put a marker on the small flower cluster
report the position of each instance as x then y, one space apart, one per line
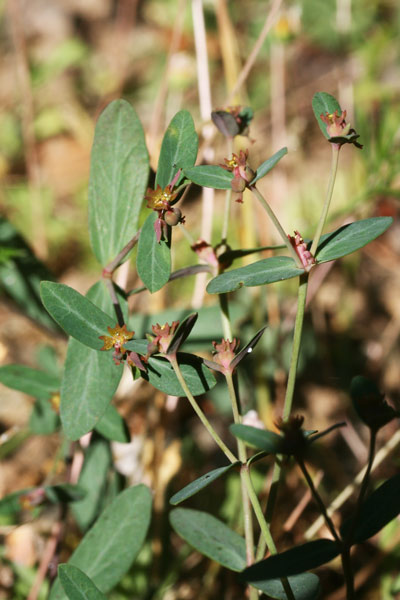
117 338
163 337
305 256
160 200
338 131
243 174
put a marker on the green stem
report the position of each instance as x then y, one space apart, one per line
247 516
264 527
287 408
298 329
231 457
226 323
318 500
325 209
277 224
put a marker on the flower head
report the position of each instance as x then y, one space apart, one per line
306 258
338 131
163 337
224 353
243 174
118 336
160 199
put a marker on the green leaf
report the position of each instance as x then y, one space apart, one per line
211 537
267 270
349 238
93 479
64 492
118 177
323 103
292 562
268 441
33 382
182 333
268 165
162 376
211 176
21 274
79 317
304 587
178 149
343 241
378 510
109 548
90 377
247 349
113 427
43 419
153 258
77 585
199 484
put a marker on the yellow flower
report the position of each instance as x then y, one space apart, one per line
159 199
118 336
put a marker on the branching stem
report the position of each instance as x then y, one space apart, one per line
231 457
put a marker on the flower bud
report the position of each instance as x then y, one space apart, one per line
173 216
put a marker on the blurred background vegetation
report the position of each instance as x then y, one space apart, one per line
62 62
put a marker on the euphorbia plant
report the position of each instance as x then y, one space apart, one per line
99 322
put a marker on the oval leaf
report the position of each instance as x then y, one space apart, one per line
268 441
292 562
77 585
92 479
90 377
199 484
211 537
178 149
153 258
161 375
304 587
33 382
349 238
64 492
113 427
111 545
211 176
79 317
378 510
118 176
268 165
324 103
267 270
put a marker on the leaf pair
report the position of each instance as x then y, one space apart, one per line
334 245
214 539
